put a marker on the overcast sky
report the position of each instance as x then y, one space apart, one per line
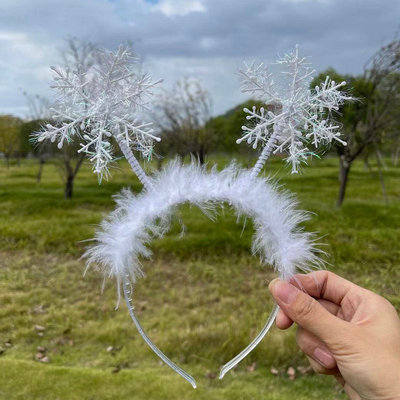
208 39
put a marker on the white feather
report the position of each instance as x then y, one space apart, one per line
279 239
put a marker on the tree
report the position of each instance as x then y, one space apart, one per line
42 151
373 118
181 115
78 58
9 136
39 114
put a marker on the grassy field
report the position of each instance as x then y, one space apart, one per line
202 301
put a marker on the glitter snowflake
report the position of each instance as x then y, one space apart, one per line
296 119
103 103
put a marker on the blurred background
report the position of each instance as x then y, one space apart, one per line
204 296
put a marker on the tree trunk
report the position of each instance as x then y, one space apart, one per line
39 174
69 186
71 173
201 155
343 178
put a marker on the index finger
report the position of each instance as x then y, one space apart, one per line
324 285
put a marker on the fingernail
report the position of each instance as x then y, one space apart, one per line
272 283
283 291
324 358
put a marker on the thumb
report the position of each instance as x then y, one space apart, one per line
307 312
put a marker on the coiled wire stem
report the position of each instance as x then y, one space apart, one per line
229 365
133 162
265 154
128 292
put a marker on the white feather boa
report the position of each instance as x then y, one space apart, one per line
279 239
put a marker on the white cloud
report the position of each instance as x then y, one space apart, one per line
179 7
11 36
207 39
19 44
217 75
23 67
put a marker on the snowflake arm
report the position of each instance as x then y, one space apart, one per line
257 80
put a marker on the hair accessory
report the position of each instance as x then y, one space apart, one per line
100 106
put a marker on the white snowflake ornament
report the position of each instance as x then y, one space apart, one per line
100 104
296 119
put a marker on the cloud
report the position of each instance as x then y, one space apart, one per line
205 38
179 7
22 68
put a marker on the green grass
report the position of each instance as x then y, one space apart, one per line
202 301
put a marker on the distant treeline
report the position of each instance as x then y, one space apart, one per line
222 132
370 124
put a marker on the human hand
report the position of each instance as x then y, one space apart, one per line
345 330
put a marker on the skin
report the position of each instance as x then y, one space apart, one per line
345 331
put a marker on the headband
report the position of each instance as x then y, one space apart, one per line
102 107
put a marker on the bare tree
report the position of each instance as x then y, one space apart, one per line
38 115
78 56
38 107
368 122
70 170
182 114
